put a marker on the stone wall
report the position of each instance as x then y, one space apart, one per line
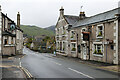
9 50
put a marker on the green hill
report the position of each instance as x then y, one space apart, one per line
36 31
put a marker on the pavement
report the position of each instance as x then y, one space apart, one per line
100 65
10 68
48 66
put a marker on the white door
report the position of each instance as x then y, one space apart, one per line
84 51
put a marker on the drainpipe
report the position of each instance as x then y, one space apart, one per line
89 30
106 53
89 46
77 45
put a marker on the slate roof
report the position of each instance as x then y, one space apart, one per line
97 18
71 19
6 33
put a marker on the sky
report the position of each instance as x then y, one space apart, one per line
44 13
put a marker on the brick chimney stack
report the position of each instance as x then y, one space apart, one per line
18 20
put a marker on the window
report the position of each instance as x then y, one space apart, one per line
98 49
63 46
72 34
12 41
5 41
100 31
57 31
63 31
73 46
83 30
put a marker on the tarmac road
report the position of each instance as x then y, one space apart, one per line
43 65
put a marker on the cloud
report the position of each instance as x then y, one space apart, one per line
44 13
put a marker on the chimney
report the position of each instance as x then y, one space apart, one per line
61 11
82 15
0 8
18 20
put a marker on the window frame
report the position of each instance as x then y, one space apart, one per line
95 47
73 47
98 31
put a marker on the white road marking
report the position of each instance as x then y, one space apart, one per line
56 63
80 73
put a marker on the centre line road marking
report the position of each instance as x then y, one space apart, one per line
80 73
56 63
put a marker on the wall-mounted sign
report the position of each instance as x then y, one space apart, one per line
86 36
12 27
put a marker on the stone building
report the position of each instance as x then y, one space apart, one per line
63 24
8 31
95 38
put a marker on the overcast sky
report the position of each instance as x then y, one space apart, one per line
44 13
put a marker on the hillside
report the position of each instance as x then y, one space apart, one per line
36 31
52 28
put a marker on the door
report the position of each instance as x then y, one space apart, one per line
60 45
84 52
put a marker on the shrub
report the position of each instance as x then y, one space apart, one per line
73 49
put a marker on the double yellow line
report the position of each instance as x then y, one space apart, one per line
27 72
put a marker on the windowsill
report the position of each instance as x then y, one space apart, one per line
9 45
98 55
62 51
100 37
72 39
57 50
83 42
64 35
73 51
57 35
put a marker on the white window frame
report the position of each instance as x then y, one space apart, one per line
97 31
73 47
102 48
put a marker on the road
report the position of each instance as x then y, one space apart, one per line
43 65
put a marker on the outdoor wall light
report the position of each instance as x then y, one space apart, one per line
92 27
